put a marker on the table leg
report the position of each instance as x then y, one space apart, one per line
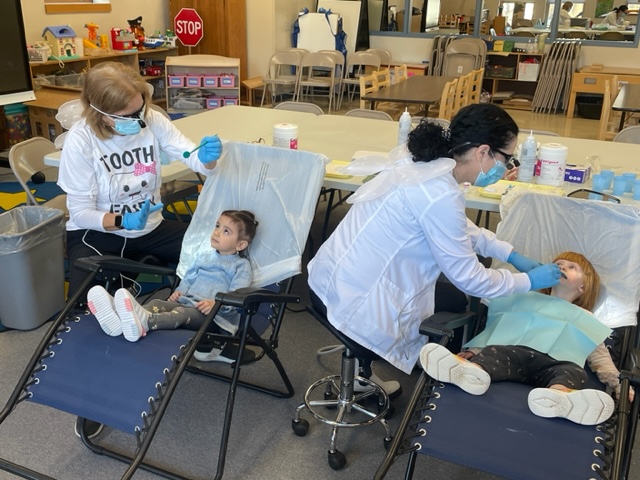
622 117
572 104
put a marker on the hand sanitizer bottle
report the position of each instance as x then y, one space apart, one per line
528 157
404 127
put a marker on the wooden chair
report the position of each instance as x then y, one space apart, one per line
447 100
463 90
476 85
608 127
400 73
383 77
368 84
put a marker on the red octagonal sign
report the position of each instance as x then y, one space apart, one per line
188 27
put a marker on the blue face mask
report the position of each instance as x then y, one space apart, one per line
492 176
127 126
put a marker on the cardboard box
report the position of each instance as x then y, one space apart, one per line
577 173
44 123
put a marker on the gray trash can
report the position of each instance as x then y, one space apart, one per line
31 266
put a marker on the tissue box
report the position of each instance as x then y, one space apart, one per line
577 173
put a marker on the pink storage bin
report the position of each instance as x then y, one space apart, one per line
214 102
176 80
227 80
210 81
194 80
230 101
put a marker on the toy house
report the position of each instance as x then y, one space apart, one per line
62 40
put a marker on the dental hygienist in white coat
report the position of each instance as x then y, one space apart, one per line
376 274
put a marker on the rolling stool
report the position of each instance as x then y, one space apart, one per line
339 393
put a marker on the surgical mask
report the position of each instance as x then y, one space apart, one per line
128 126
492 176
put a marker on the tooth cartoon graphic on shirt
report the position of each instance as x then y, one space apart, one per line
132 185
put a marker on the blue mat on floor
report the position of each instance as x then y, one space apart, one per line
12 195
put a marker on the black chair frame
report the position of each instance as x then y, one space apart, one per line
618 432
248 301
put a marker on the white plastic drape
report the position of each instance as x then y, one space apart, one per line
280 187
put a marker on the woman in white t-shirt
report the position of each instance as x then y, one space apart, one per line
110 170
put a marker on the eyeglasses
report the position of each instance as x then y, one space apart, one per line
509 159
137 115
586 194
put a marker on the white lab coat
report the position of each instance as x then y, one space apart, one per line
612 19
376 274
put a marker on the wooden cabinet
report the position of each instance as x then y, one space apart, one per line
199 82
512 78
224 25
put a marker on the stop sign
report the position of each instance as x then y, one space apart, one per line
188 27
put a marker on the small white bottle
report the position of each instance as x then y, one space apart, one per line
528 157
404 127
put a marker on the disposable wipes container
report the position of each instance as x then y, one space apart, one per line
285 135
551 164
32 265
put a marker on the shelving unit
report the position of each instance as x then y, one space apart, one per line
199 82
53 90
44 74
508 83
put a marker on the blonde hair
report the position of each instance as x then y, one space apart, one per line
110 86
591 280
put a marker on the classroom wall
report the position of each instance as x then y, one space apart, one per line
269 25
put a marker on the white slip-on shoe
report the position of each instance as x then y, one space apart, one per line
134 318
585 407
446 367
100 304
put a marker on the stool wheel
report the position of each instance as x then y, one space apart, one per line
300 428
387 443
337 460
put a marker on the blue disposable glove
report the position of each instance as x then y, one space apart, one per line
522 263
544 276
210 150
138 220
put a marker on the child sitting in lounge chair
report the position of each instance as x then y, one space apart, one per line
223 268
541 341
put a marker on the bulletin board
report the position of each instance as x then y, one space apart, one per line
349 11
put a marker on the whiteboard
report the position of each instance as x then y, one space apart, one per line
349 10
316 33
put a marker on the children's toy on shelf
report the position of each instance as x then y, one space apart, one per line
62 40
92 33
170 39
122 39
155 40
138 32
39 52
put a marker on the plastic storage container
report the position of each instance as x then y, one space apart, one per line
17 120
32 262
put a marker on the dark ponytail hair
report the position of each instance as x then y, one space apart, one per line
621 8
474 125
247 224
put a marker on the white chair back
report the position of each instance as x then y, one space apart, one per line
608 235
280 186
